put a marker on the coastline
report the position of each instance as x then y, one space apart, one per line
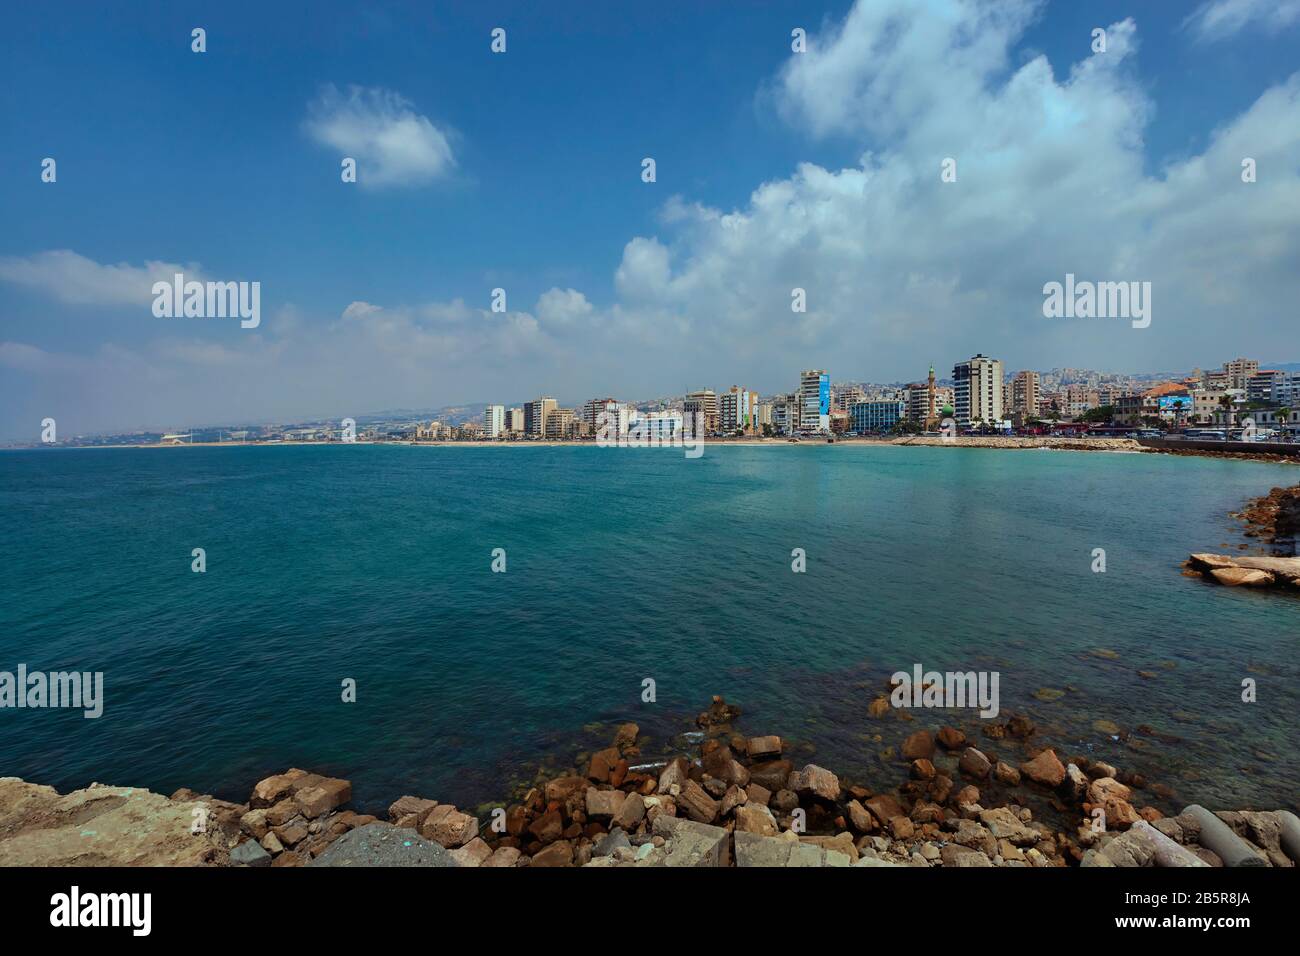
724 799
1000 442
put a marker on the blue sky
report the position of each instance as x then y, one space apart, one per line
375 294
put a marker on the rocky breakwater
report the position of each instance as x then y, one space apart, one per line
1274 519
1027 441
1245 570
730 800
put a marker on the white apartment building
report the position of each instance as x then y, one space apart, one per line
494 421
977 390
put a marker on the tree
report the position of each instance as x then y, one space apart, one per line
1283 416
1225 403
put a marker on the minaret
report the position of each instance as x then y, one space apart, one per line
931 419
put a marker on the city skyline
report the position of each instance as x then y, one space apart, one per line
783 180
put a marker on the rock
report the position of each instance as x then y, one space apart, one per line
559 853
689 843
974 763
272 790
675 774
878 707
764 748
404 807
473 853
448 827
1107 727
1006 774
960 856
1048 694
1242 577
1107 788
560 789
699 806
630 814
860 818
950 738
919 746
922 770
1020 726
271 843
756 794
602 765
548 827
381 844
815 781
785 800
902 828
719 714
605 803
755 818
330 793
292 833
970 833
1044 769
884 807
1075 783
753 850
503 856
282 812
771 775
626 734
254 824
722 764
1005 825
841 843
250 853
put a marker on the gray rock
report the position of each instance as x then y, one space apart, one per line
250 853
610 842
693 844
381 844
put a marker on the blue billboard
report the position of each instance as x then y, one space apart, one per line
823 394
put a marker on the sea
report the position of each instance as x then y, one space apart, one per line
497 611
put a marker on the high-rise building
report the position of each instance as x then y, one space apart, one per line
494 421
977 388
1239 371
878 416
1025 393
785 414
738 410
814 400
515 421
702 406
535 413
561 423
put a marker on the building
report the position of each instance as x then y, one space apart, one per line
977 390
1025 393
561 423
873 417
702 406
515 421
657 427
785 414
1239 371
494 421
617 416
1264 385
535 414
738 410
1136 409
846 396
814 400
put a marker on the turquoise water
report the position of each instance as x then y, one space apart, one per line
373 563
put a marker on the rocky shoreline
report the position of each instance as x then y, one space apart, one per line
1273 520
1026 442
731 800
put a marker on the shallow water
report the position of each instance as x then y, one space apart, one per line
373 563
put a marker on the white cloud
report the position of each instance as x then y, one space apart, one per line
68 277
392 144
1220 19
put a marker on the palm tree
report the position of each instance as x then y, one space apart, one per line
1225 402
1283 415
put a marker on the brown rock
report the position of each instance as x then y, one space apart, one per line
559 853
699 806
1044 769
815 781
755 818
1006 774
562 788
951 738
764 748
272 790
922 770
1242 577
974 763
330 793
625 736
406 806
884 807
630 814
919 746
860 818
448 827
756 794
